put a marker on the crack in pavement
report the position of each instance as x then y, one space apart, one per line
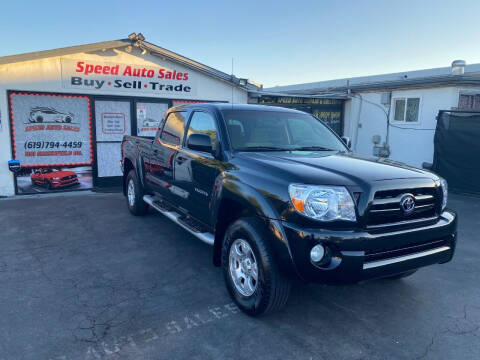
458 322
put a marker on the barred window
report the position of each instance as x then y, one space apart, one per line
469 102
406 109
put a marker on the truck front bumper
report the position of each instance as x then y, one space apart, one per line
361 255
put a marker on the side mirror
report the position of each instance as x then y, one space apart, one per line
347 141
200 142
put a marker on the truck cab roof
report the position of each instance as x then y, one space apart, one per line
228 106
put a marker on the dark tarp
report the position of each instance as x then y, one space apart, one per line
457 150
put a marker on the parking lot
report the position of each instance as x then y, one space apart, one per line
80 278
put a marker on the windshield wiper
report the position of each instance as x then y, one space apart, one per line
262 148
312 148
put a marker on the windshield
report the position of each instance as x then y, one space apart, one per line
251 130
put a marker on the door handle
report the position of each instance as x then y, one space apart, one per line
180 159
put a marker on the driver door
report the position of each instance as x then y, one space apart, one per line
196 171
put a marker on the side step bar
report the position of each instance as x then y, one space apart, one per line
206 237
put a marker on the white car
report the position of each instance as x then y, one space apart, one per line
48 114
150 123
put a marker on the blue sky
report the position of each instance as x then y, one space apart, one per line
272 42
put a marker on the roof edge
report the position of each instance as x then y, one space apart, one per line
134 41
444 80
36 55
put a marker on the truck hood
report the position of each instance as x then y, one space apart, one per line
336 168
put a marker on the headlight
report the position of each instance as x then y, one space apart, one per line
444 185
324 203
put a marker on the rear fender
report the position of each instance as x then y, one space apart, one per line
139 168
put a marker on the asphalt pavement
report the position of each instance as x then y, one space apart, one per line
80 278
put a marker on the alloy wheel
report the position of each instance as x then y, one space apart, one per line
243 267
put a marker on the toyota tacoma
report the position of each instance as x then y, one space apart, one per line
280 197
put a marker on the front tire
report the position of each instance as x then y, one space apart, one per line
251 274
135 202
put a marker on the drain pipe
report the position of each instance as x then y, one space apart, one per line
358 120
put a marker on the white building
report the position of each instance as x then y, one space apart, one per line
409 100
64 112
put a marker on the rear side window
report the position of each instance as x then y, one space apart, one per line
174 128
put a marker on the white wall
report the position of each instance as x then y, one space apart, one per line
409 143
45 75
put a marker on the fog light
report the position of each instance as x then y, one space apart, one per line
317 253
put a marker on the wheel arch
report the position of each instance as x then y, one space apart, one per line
127 167
237 200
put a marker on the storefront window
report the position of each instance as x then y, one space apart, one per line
149 116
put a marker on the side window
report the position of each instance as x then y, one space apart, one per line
174 128
203 123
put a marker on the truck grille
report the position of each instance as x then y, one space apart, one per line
381 254
386 209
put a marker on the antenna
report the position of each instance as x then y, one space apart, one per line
232 82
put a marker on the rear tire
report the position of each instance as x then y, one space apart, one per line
135 193
246 253
402 275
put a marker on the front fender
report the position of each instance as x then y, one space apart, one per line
254 203
248 196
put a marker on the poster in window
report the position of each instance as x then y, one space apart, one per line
33 180
112 120
50 129
51 137
113 123
149 116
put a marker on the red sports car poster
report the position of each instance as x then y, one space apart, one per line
51 179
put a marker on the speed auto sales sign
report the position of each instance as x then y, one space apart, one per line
51 129
114 77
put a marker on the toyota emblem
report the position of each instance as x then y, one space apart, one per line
407 203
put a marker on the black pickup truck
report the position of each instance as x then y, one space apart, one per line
280 197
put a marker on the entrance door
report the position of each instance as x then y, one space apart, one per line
113 121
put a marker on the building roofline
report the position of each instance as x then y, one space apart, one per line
132 41
36 55
329 95
417 78
448 80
